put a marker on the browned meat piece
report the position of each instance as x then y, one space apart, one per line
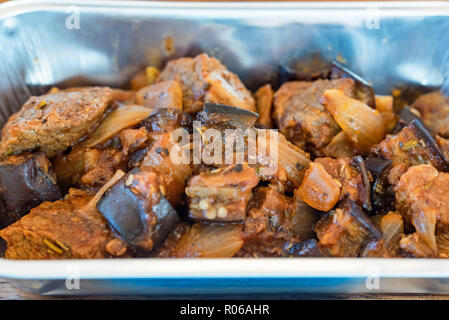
421 198
392 228
137 210
269 224
343 232
63 229
175 174
352 176
434 110
205 79
302 118
411 146
53 122
264 105
165 94
25 182
92 167
222 194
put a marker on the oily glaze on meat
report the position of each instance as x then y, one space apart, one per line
55 121
205 79
63 229
300 115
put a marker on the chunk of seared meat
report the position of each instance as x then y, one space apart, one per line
392 228
274 222
264 105
93 167
165 94
421 198
267 228
137 210
300 115
64 229
344 231
413 145
25 182
205 79
434 110
174 174
353 177
55 121
222 194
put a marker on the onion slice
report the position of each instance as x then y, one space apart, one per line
363 125
119 119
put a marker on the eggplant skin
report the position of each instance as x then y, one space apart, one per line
25 182
137 211
223 117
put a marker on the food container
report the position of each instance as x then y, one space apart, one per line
392 44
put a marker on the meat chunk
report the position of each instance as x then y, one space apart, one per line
25 182
174 174
61 230
421 198
221 195
412 146
434 110
165 94
93 167
264 104
136 208
205 79
268 226
302 118
343 232
353 178
55 121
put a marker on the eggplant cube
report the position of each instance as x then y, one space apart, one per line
221 195
25 182
137 210
222 117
